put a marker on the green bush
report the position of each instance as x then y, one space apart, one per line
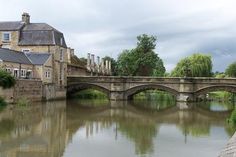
90 94
2 102
23 102
6 80
232 118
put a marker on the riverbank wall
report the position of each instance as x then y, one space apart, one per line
33 90
230 149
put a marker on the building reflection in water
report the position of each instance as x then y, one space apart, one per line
45 130
37 131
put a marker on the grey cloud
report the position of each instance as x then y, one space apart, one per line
107 27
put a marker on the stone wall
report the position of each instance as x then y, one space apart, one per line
33 90
29 89
52 92
230 148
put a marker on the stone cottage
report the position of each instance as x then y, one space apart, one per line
26 36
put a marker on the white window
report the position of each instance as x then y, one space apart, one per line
23 73
61 55
6 36
15 72
26 50
47 74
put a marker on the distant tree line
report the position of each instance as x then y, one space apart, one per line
144 61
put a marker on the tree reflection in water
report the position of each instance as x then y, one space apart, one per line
46 129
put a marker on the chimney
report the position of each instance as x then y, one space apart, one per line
26 18
88 61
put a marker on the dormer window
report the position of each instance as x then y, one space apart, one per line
61 41
6 36
61 55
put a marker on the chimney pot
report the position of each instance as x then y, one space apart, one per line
26 18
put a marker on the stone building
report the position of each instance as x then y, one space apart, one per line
16 63
39 38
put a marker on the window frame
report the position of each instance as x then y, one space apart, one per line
61 55
23 73
3 36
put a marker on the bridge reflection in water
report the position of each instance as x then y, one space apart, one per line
49 130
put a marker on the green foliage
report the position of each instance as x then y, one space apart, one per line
2 102
6 80
232 118
197 65
125 63
142 60
231 70
221 95
219 75
23 102
141 132
90 94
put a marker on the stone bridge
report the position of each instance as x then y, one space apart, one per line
123 88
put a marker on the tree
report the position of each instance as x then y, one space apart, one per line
197 65
142 60
6 80
231 70
126 63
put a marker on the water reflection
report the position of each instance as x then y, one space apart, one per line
87 128
35 131
216 105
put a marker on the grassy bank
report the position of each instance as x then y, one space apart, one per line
154 95
90 94
222 96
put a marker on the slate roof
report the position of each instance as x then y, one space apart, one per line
13 56
41 34
20 57
11 26
38 58
35 34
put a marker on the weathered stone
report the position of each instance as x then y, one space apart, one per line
122 88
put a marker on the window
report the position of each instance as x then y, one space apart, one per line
23 73
8 70
61 41
47 74
29 74
6 36
15 72
61 55
26 50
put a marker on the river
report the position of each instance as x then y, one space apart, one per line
119 129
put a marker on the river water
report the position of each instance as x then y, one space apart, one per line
118 129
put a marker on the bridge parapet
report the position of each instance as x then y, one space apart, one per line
121 88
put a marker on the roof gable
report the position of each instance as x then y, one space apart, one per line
13 56
38 58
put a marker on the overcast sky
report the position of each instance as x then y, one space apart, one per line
106 27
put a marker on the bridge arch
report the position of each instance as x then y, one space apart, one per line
71 89
134 90
205 90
